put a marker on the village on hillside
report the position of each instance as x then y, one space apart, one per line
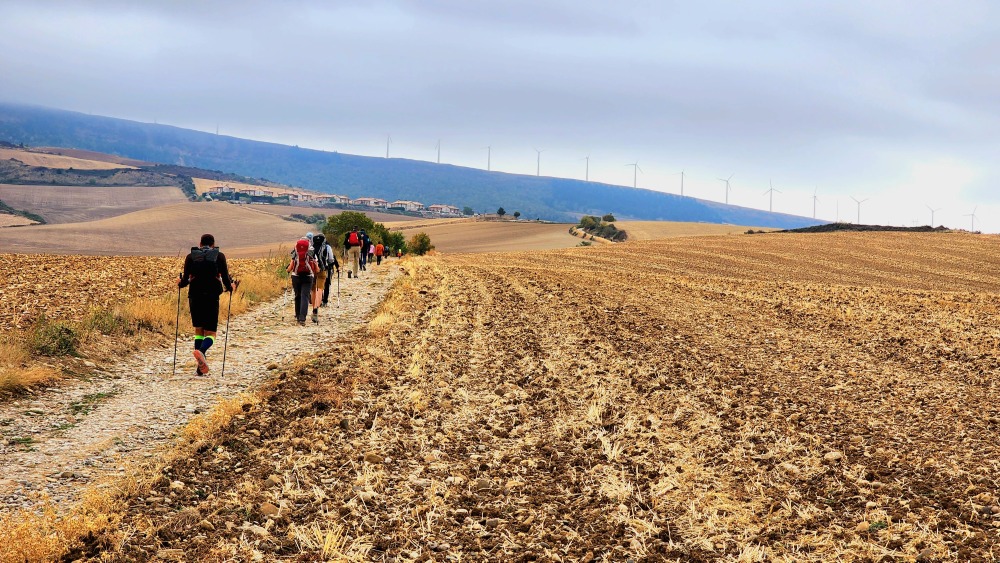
290 196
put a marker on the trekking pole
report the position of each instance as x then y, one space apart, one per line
225 342
338 287
177 324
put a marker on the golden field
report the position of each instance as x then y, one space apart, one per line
770 397
48 160
469 235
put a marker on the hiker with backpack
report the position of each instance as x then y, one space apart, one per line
303 268
352 248
327 262
207 273
366 244
379 251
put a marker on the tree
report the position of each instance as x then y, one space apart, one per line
468 211
609 218
339 225
420 244
501 212
517 214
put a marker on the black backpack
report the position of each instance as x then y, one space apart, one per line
204 266
319 246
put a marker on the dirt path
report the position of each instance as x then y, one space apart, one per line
54 444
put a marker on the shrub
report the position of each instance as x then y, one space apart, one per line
420 244
609 218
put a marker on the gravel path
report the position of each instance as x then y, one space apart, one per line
55 443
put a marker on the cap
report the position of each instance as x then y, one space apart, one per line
309 235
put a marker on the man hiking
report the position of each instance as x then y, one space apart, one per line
207 273
327 262
303 268
366 244
352 246
379 251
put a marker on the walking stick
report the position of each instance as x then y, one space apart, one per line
338 287
225 342
177 324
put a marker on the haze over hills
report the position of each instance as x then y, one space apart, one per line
556 199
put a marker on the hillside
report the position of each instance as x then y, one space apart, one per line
74 204
544 197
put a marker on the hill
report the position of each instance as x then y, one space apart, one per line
555 199
76 204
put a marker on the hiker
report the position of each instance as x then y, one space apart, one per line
379 251
332 263
303 268
207 273
399 253
365 245
326 262
352 248
371 253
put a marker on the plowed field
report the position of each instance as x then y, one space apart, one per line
749 398
67 288
77 204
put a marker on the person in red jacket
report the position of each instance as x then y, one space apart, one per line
379 252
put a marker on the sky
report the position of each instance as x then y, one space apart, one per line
879 111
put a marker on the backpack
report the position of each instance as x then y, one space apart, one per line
352 239
319 249
303 260
204 266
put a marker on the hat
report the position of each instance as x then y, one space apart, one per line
309 235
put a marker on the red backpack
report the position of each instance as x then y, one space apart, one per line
352 239
303 262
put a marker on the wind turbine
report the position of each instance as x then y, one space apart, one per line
771 191
726 180
586 177
439 151
973 217
538 165
815 199
388 139
682 181
635 173
489 156
859 208
932 213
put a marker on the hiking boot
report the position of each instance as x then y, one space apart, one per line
315 317
302 323
199 357
348 275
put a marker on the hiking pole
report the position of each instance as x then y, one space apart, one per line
338 287
177 323
225 342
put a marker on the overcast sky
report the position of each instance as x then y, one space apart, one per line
893 102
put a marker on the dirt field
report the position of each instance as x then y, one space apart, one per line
57 161
78 204
165 230
465 235
652 230
746 398
92 155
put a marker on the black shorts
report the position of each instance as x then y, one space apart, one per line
204 311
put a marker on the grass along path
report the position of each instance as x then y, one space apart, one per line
54 444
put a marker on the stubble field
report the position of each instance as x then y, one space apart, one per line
78 204
748 398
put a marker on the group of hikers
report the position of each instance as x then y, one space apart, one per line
310 267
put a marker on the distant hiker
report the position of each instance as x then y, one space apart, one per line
379 251
327 262
366 244
207 273
399 253
303 268
352 247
